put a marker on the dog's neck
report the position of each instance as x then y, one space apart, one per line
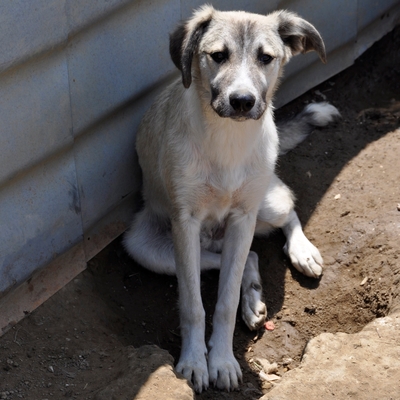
231 143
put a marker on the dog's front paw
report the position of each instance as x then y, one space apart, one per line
304 256
194 368
254 311
224 370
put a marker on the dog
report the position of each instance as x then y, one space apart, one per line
207 148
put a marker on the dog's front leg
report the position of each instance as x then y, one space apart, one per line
224 370
192 363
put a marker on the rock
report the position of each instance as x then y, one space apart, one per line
268 368
146 373
365 365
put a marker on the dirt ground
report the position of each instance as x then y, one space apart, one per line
346 178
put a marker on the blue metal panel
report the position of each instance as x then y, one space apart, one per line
28 28
368 11
260 7
374 19
339 35
34 114
40 218
82 14
101 154
111 62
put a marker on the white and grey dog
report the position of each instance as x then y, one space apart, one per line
208 150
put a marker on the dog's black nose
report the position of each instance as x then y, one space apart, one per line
242 102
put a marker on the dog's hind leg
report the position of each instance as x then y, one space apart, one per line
277 211
254 311
149 242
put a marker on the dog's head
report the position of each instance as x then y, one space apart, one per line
236 58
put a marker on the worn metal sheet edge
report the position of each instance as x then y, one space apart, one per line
41 286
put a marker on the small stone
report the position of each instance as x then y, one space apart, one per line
329 260
287 361
266 385
311 310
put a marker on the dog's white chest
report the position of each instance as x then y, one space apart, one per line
224 192
227 181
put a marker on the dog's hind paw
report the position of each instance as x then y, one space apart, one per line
254 311
194 370
304 256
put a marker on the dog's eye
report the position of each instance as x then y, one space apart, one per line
219 56
265 58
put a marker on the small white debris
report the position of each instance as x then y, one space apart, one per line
318 93
337 197
308 173
268 377
51 369
288 360
267 367
364 281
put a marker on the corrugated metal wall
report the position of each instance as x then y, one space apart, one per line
75 79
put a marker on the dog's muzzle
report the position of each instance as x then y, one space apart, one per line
238 105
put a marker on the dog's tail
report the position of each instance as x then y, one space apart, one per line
294 131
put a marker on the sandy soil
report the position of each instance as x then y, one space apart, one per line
346 181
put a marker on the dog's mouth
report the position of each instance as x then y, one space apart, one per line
240 118
227 112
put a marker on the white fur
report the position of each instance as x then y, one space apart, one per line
323 113
209 184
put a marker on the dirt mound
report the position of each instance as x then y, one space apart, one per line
364 365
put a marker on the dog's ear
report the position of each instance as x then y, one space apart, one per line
185 39
299 35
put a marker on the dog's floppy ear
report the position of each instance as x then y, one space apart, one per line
299 35
185 39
